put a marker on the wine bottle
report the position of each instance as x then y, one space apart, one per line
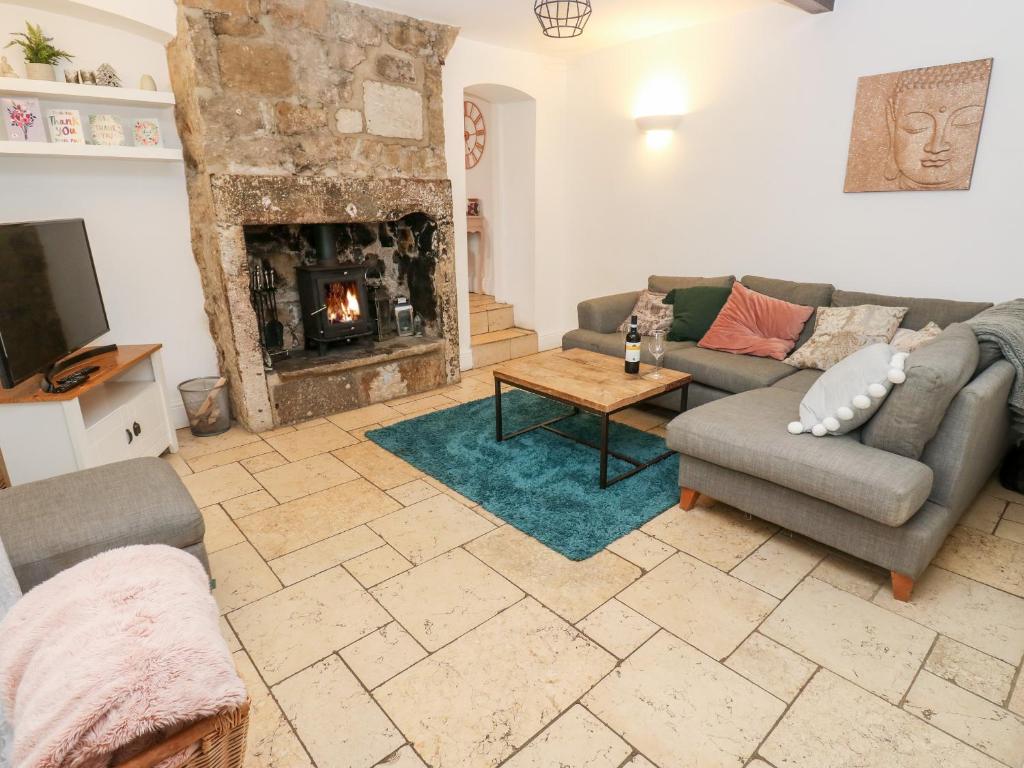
633 348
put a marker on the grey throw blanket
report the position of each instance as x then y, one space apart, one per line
1003 325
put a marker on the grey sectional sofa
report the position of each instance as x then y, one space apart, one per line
889 509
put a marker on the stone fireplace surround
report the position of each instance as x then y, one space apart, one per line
297 112
269 200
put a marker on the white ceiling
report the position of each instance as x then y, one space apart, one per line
511 23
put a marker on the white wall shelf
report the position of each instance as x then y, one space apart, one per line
45 89
43 149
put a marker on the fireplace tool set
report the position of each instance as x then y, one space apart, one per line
263 293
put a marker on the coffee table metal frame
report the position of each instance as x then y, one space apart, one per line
604 416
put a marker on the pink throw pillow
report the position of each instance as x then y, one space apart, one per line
751 323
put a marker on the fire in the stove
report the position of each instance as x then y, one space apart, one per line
342 303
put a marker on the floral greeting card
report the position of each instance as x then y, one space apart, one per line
146 133
23 119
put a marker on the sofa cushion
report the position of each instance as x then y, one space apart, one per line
747 433
50 525
651 314
613 344
751 323
850 392
907 340
694 310
919 311
666 283
799 382
726 371
841 331
808 294
935 373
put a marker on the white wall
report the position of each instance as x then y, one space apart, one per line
543 79
517 274
136 212
752 181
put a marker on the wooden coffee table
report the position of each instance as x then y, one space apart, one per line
590 382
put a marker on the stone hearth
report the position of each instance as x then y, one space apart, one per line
296 112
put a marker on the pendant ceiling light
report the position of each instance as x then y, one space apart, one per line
562 18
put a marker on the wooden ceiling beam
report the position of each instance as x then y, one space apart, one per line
814 6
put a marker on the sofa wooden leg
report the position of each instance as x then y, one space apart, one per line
687 498
902 586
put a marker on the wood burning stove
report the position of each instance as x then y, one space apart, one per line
333 296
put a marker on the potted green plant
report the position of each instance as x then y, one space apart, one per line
39 51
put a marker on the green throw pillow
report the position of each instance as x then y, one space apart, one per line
694 310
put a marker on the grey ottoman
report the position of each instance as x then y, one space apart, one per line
52 524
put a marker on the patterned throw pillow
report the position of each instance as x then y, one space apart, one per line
841 331
907 340
651 314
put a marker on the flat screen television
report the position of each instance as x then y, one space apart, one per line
50 301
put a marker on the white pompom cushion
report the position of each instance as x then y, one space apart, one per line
848 394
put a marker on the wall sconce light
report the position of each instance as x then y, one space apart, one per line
658 128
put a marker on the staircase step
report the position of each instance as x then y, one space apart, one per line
501 345
491 317
476 299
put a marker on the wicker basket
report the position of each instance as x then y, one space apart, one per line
221 740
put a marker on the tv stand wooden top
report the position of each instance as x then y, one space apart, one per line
110 365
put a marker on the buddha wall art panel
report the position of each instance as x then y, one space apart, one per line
918 129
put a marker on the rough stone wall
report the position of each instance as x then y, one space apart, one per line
321 87
279 101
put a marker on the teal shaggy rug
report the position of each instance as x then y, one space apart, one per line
543 484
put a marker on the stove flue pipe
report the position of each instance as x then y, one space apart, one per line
325 242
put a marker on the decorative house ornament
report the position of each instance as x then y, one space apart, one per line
106 75
23 119
147 83
475 132
146 133
66 126
6 70
106 130
562 18
918 129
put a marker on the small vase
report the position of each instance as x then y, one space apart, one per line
40 72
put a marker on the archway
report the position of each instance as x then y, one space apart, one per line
503 180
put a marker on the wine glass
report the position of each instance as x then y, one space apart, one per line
656 346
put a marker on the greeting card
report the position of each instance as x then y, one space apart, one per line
106 130
146 133
23 119
66 126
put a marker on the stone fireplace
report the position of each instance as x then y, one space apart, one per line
301 113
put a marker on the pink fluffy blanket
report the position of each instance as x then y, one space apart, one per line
110 655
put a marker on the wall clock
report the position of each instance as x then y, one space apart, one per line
475 133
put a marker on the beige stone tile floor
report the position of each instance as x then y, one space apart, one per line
379 618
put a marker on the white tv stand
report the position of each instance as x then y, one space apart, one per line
119 413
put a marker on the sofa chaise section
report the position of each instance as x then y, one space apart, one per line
887 509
